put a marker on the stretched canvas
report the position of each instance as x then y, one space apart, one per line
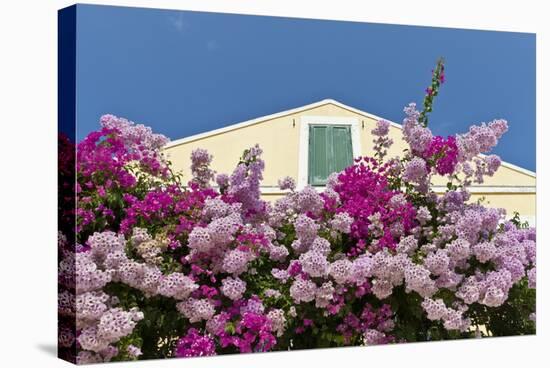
235 184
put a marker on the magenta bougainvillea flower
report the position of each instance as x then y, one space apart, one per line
443 153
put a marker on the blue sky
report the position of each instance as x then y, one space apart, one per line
188 72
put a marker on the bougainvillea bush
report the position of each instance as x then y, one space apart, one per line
161 268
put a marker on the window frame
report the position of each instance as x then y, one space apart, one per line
305 123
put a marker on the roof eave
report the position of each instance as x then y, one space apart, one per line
296 110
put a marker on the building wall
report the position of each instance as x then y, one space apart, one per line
523 203
279 138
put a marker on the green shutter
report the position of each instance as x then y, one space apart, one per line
319 145
341 147
330 150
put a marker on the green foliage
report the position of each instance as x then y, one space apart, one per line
432 91
511 318
158 333
516 220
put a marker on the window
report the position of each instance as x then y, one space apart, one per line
330 150
327 144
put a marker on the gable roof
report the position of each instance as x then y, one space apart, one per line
299 109
270 117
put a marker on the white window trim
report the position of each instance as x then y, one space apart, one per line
305 122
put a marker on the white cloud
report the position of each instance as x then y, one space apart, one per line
179 22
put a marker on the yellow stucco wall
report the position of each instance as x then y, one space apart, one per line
524 203
279 138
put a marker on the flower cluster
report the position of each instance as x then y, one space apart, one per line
444 154
200 161
380 214
99 323
382 142
194 344
159 269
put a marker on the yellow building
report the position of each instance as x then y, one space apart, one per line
309 142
